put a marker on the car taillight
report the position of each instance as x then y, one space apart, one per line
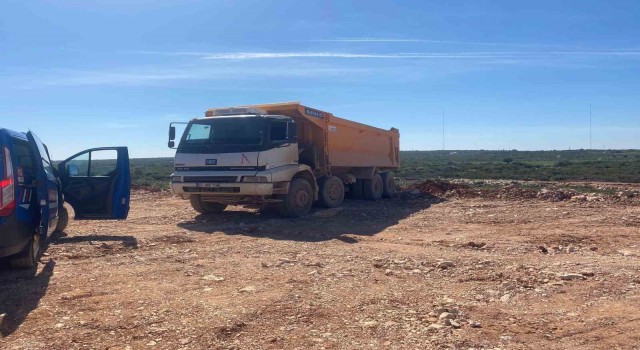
7 191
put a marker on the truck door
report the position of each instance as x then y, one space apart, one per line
47 186
97 183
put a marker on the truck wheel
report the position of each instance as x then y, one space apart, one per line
357 189
63 219
389 189
331 191
203 207
298 201
373 188
29 255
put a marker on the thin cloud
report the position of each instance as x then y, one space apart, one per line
260 55
162 75
428 55
414 40
276 55
372 40
171 74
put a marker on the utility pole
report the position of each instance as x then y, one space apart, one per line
443 129
590 129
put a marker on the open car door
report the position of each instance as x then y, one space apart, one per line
97 183
46 185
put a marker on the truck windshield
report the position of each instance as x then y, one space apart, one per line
223 134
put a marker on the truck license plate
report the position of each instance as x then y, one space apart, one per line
206 184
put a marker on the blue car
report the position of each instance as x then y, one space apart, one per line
95 183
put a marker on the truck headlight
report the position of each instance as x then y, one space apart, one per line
254 179
176 178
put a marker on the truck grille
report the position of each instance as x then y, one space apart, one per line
212 189
210 178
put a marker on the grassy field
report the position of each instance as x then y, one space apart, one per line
151 172
592 165
578 165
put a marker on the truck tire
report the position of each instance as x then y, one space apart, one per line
206 207
29 255
63 219
331 191
373 188
357 189
298 201
389 189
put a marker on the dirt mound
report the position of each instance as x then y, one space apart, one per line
436 187
511 191
515 192
555 194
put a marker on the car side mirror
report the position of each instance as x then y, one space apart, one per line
72 170
292 132
171 144
172 133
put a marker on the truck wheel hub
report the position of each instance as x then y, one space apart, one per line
301 198
334 192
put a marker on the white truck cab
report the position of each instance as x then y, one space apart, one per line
239 156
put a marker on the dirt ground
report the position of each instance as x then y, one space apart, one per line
415 272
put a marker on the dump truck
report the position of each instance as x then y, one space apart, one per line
282 154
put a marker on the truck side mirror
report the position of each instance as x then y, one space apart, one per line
292 132
172 136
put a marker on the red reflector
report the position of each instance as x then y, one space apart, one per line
7 189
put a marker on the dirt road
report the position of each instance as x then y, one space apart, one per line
415 272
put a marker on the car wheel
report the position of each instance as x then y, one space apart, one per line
63 219
29 255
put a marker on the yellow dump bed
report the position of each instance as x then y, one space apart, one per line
337 143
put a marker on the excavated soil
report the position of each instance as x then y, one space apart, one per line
436 268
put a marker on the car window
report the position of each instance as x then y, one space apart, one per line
103 163
93 164
24 158
78 166
44 157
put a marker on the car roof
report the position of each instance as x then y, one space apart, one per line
16 134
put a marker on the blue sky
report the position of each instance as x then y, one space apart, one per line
508 74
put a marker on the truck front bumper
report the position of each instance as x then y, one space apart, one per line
240 189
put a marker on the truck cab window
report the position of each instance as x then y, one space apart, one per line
278 131
199 132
